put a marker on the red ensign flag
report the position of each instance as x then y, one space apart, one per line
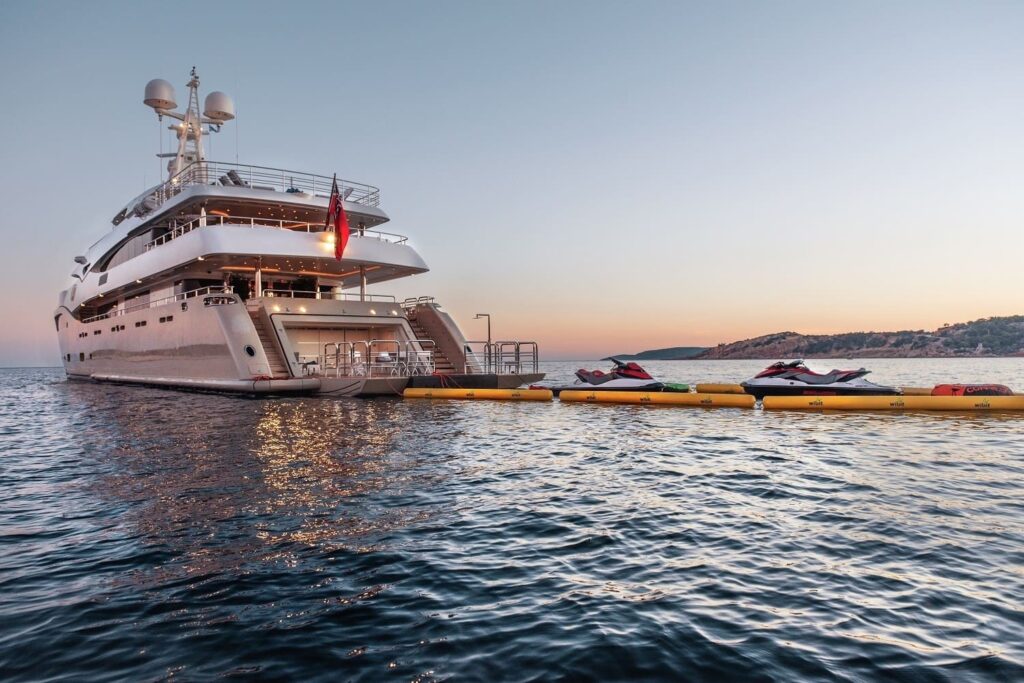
336 217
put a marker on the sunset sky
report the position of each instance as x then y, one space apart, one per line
600 177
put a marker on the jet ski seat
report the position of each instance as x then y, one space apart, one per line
594 376
831 377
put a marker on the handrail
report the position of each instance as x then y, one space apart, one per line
502 357
264 178
328 296
374 358
153 303
260 222
413 301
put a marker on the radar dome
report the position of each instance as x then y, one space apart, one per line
218 107
159 94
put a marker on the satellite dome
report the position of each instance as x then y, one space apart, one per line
159 94
218 107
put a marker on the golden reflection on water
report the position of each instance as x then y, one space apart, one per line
261 481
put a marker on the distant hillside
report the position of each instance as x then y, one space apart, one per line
986 337
672 353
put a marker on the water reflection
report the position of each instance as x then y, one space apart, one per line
220 482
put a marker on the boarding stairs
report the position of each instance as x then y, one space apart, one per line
278 369
442 364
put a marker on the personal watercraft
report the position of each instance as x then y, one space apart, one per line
623 377
796 379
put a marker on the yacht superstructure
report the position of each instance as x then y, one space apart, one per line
224 277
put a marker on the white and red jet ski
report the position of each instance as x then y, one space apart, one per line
796 379
623 377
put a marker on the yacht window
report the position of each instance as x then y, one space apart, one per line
95 332
81 356
141 323
103 279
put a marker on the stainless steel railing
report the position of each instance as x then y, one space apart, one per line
412 302
378 358
213 296
327 296
259 222
264 178
502 357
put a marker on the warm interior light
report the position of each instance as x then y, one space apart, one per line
200 259
302 309
276 308
372 312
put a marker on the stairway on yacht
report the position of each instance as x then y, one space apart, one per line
278 370
442 364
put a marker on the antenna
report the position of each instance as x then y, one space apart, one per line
218 109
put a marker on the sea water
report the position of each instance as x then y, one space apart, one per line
149 534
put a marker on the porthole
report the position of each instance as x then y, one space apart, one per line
249 350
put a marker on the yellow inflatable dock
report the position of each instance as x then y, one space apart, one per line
971 403
720 389
659 398
482 394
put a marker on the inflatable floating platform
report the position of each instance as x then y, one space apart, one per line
482 394
660 398
912 402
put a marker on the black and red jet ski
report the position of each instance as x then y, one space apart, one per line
623 377
796 379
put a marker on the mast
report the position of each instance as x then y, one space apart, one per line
190 131
217 110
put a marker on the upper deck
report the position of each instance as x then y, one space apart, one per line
301 184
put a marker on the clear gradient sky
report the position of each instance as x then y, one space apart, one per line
601 177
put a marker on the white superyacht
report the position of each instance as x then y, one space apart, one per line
224 278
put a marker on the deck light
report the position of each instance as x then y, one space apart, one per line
276 308
372 312
200 259
138 281
302 309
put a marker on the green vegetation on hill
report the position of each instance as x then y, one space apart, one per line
985 337
672 353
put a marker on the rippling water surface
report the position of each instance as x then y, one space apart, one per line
148 534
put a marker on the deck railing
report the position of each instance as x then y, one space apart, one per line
264 178
327 296
502 357
260 222
212 296
375 358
